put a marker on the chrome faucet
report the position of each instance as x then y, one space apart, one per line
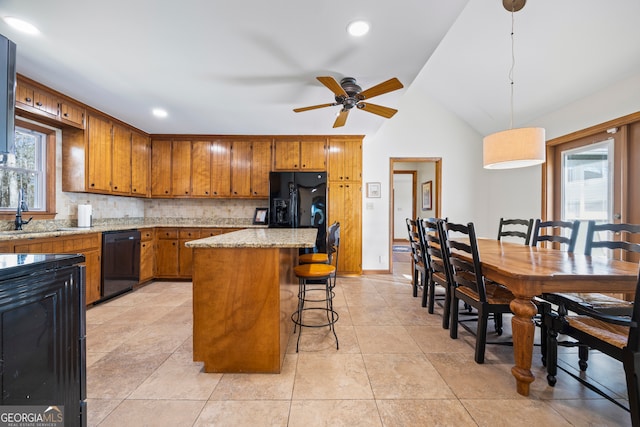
22 207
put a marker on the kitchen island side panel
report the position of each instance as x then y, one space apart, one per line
242 302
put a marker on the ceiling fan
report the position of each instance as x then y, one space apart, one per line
349 94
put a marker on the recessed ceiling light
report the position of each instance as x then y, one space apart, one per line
160 113
21 25
358 28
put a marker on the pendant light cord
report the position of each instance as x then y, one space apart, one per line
513 62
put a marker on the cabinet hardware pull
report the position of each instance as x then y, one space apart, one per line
39 104
28 99
66 114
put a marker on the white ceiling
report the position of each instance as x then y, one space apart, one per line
240 67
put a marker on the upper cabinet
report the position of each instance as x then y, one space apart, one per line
301 153
105 158
36 101
345 159
220 167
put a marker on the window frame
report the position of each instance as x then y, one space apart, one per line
49 211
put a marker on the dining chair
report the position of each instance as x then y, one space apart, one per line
598 321
439 269
418 260
487 297
520 228
555 232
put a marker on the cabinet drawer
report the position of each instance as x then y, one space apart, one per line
164 233
146 234
189 234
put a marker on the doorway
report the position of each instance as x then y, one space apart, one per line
415 184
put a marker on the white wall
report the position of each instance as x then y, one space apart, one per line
423 128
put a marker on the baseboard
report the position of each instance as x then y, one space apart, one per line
365 272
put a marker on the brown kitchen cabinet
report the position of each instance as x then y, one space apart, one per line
147 255
185 255
260 167
100 159
201 168
99 153
166 255
181 168
88 245
299 154
140 164
121 165
220 168
160 168
345 206
241 168
345 159
36 100
72 114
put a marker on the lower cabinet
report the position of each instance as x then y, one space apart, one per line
89 245
167 253
147 255
173 259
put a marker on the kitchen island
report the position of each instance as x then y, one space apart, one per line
244 292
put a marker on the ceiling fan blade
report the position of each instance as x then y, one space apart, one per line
333 85
313 107
384 87
377 109
342 118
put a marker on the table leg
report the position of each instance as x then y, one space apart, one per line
523 330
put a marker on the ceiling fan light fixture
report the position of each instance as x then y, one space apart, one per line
358 28
20 25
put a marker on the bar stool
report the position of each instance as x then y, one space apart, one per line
314 279
333 242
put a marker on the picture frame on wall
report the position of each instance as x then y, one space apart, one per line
261 217
426 195
374 190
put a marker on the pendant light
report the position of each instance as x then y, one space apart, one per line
514 148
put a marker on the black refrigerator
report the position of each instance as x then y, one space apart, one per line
298 200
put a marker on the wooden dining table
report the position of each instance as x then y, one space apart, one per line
530 271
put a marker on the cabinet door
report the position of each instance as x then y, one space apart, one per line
241 168
93 265
260 167
286 155
313 155
71 113
345 160
99 154
161 168
220 168
140 149
121 169
201 168
24 95
181 168
45 102
167 258
146 260
345 206
185 254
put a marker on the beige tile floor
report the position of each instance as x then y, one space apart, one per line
396 366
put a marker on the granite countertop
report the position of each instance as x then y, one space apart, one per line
260 238
114 226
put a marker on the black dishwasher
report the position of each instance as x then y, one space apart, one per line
120 262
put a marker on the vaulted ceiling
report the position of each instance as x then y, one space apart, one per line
240 67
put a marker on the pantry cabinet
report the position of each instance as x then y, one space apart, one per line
345 200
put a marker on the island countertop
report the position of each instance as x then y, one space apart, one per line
260 238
